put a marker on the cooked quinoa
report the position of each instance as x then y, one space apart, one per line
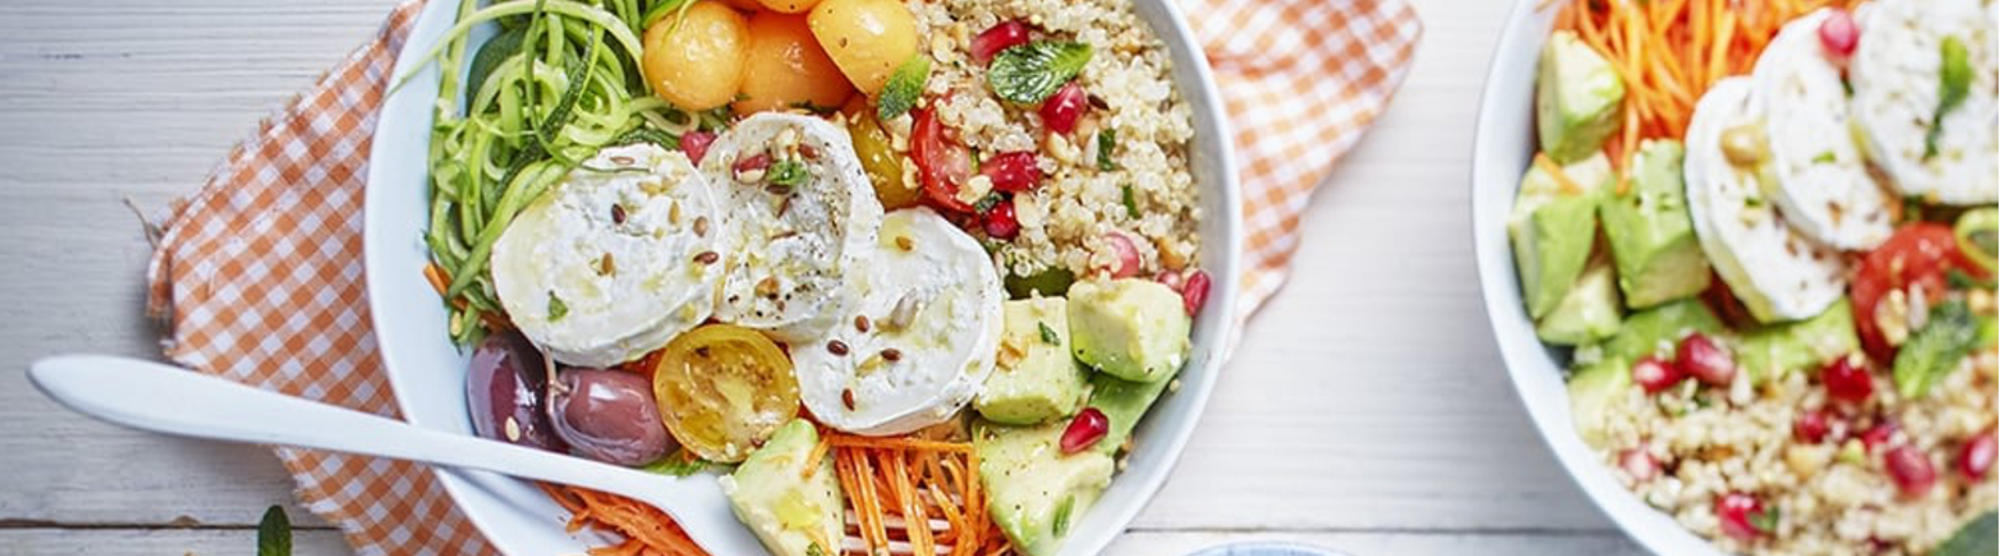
1064 222
1833 497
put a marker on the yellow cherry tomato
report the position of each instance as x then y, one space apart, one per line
786 68
696 60
866 38
878 157
723 390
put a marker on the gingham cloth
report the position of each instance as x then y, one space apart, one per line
259 273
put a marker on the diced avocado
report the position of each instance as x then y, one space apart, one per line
1132 328
1588 314
1592 391
1577 95
1035 492
1036 380
1774 350
1652 239
1552 226
793 505
1123 403
1654 331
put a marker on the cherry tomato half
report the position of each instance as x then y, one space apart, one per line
723 390
943 164
1917 256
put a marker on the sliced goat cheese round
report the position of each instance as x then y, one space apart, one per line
1823 185
800 219
1896 73
608 265
922 340
1777 272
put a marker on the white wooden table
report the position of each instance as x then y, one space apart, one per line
1367 410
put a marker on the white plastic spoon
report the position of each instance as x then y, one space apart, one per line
160 398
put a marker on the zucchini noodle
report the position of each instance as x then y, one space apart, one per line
561 80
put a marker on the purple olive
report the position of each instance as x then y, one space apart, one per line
609 416
504 388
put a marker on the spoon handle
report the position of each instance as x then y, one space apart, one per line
160 398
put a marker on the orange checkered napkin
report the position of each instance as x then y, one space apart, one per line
259 273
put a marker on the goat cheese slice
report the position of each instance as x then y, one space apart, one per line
1777 272
1895 72
1824 188
922 339
605 267
801 219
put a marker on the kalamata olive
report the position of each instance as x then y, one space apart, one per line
503 389
609 416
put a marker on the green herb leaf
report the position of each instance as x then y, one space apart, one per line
681 463
905 86
1061 526
1131 203
1106 141
1049 334
274 533
1936 350
1975 538
1029 73
557 309
986 203
1954 83
788 172
815 550
1824 158
1767 520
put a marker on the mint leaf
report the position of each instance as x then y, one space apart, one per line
1935 350
1049 334
557 309
1954 83
1029 73
1975 538
274 533
905 86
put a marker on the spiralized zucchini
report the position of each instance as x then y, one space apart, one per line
560 81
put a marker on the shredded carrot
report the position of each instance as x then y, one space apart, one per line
917 482
1668 52
1549 165
647 530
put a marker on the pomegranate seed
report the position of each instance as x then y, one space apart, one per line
1639 464
1740 514
1838 33
1910 469
1810 427
1089 426
1014 171
1878 435
1127 255
1195 293
1172 280
1976 457
759 162
695 144
1846 382
1699 357
993 41
1655 375
999 221
1061 111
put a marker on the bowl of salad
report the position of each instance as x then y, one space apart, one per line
857 264
1739 261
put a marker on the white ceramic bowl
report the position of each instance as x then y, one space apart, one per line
1503 146
428 372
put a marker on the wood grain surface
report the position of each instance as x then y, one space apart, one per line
1367 410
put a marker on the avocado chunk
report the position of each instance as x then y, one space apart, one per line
1653 332
1593 391
793 505
1036 493
1588 314
1775 350
1651 236
1123 403
1036 379
1577 96
1131 328
1552 227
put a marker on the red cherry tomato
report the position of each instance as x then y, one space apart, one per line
1916 256
1005 35
943 164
